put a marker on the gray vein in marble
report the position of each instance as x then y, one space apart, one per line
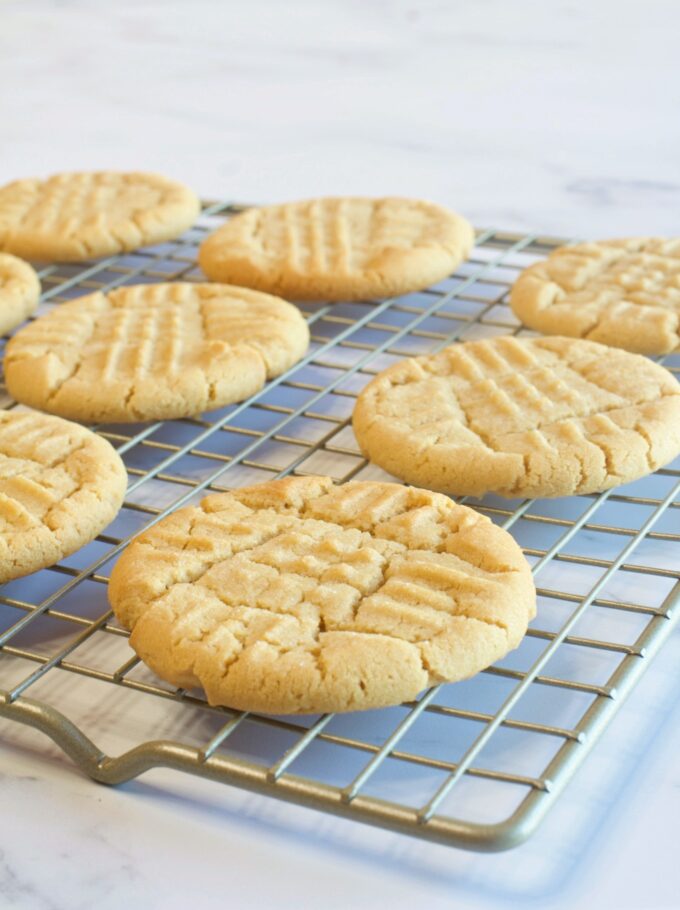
18 891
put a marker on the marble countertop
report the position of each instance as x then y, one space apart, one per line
552 117
555 118
167 841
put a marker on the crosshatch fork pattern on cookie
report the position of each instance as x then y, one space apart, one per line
153 351
527 417
474 764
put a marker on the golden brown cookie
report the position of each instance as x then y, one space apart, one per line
76 216
60 485
625 293
521 417
298 597
338 249
153 351
19 292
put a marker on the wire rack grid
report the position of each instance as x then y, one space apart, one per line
476 764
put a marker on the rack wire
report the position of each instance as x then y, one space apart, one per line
474 764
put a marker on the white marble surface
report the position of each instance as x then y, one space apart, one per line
558 118
168 841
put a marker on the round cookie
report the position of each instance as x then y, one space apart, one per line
76 216
19 292
153 351
338 248
624 293
60 485
300 597
521 417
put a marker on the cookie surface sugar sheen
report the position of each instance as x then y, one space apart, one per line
297 596
60 485
537 417
77 216
153 351
19 292
624 293
338 248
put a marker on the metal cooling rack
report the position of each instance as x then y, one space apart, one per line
476 764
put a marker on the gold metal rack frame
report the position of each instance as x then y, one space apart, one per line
475 764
